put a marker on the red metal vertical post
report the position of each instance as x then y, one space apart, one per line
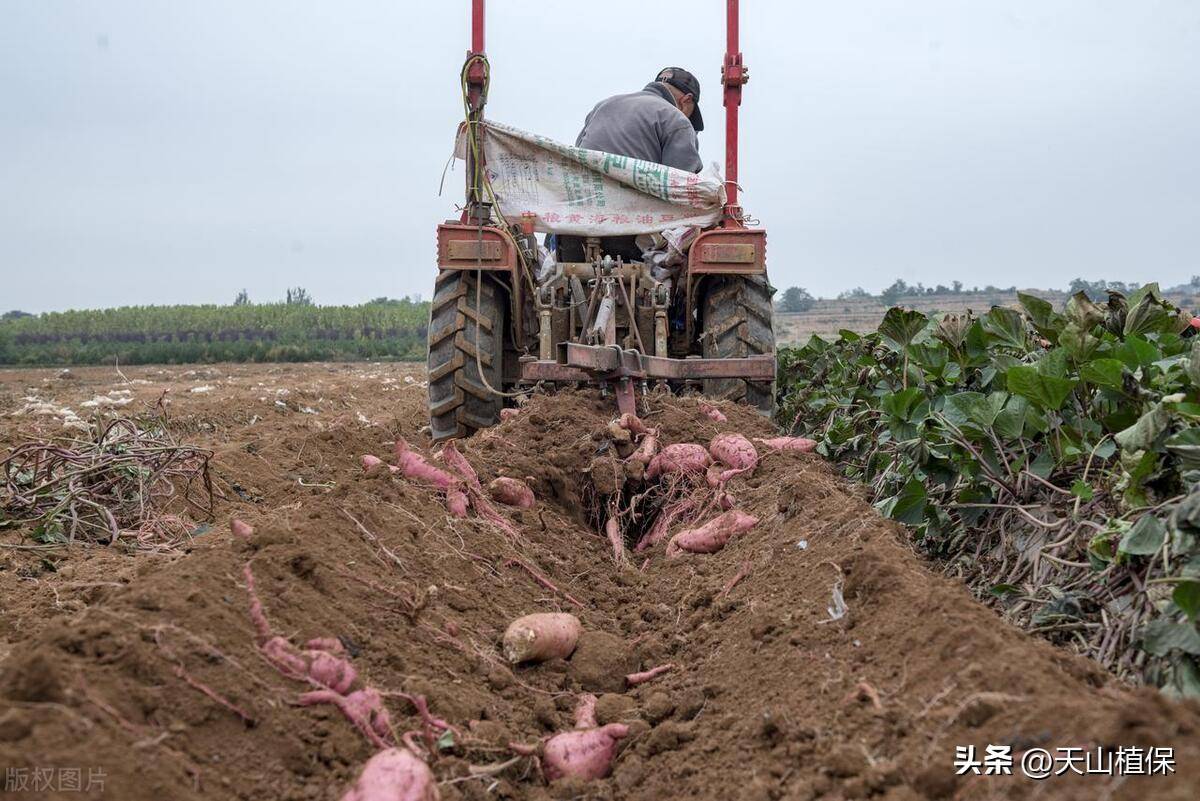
733 76
477 19
476 79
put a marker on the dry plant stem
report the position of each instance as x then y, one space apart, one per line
542 580
126 479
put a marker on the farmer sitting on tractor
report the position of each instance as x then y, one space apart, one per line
657 124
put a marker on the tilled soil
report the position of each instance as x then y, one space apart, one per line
143 665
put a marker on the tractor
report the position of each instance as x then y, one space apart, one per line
501 326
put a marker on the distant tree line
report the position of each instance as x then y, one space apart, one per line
794 300
1098 290
798 299
295 330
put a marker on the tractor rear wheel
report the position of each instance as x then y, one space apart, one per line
468 311
737 323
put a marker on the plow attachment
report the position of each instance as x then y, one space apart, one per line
605 364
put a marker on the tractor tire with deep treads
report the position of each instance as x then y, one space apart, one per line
737 323
468 307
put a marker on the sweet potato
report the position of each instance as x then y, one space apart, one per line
646 450
662 524
318 667
802 444
284 657
364 708
330 645
452 456
734 450
612 529
713 413
634 679
456 502
511 492
459 464
583 753
587 752
585 712
541 636
687 458
318 664
508 414
712 536
634 425
331 671
621 436
240 529
717 476
394 774
370 462
258 616
414 466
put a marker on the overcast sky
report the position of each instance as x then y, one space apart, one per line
176 152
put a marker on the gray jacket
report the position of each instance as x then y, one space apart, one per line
643 125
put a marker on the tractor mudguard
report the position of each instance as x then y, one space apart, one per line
472 247
722 251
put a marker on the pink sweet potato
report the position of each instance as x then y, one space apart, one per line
588 751
713 413
414 466
454 459
456 502
284 657
240 529
734 451
508 414
634 425
583 753
541 636
258 615
717 476
315 666
394 774
320 664
634 679
511 492
679 458
330 671
459 464
612 530
330 645
802 444
585 712
646 450
662 524
712 536
370 462
364 708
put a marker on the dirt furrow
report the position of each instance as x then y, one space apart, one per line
816 656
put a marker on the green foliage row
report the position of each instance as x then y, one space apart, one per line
1050 457
383 329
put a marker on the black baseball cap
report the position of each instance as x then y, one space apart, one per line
685 82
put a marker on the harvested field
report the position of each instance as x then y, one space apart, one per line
814 656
